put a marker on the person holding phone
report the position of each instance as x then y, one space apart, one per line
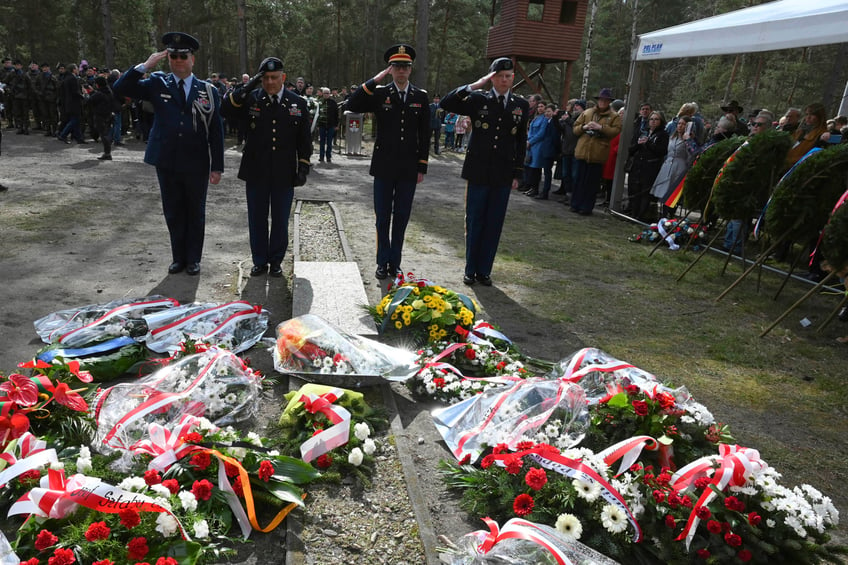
682 149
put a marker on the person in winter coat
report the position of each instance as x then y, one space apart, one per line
682 149
103 105
647 151
595 129
568 142
542 148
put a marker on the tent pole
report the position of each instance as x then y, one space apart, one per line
631 108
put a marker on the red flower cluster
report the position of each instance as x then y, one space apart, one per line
202 489
470 354
536 478
129 518
62 557
97 531
733 503
640 407
513 465
266 470
487 461
192 437
238 488
754 519
522 505
732 539
45 539
152 477
324 461
137 548
201 460
172 485
104 562
466 459
439 382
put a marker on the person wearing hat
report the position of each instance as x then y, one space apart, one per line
594 129
186 143
401 151
71 102
48 96
103 105
493 164
274 161
736 110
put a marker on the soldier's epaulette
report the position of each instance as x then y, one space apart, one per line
232 100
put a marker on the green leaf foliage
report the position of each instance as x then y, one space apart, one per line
835 240
700 178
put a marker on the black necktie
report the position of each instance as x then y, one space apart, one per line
181 86
501 100
402 96
275 100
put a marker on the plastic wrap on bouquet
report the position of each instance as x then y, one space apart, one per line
236 326
521 541
312 347
513 413
95 323
214 384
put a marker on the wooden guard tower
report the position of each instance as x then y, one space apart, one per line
538 32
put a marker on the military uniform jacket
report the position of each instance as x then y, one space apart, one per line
403 129
495 153
278 136
185 139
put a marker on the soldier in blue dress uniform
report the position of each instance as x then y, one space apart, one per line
399 163
275 159
494 162
186 143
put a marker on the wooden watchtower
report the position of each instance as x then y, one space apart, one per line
538 32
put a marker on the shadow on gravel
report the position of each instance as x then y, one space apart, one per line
180 286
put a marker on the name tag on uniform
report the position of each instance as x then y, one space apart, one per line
517 112
295 111
165 96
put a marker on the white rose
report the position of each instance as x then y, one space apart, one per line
361 431
355 457
166 525
188 500
369 447
84 465
201 529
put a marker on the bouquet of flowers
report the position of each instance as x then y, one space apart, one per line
213 383
176 508
331 428
424 311
675 232
310 345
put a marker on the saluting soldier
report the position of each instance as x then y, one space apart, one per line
494 162
275 159
399 163
186 143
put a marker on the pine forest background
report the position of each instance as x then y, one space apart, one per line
341 42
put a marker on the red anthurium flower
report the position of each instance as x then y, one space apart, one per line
84 376
19 425
66 396
34 364
20 389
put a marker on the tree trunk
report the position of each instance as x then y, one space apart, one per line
587 62
422 38
726 97
442 47
241 11
108 35
757 81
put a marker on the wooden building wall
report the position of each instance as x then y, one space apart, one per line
545 41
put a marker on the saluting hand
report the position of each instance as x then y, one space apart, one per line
382 74
481 82
154 59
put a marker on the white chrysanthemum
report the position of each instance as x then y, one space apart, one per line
430 387
613 519
361 431
160 490
369 447
187 500
204 424
57 465
166 525
273 453
795 523
355 457
254 438
163 502
317 363
770 523
569 526
84 452
84 465
133 484
238 452
587 491
201 529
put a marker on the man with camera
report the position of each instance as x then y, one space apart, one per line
275 159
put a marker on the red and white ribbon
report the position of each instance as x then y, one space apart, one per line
333 437
736 466
117 311
165 444
27 453
627 451
517 528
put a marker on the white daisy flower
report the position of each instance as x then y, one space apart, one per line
587 491
613 519
569 526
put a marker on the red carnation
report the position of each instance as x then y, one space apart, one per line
536 478
202 490
500 366
703 554
669 521
238 488
487 461
62 557
104 562
266 470
659 496
324 461
172 485
137 548
732 539
744 555
129 518
34 561
673 500
524 445
470 354
439 382
513 465
703 512
192 437
733 503
664 478
167 561
45 539
641 407
466 459
30 476
233 470
714 526
523 505
97 531
702 483
500 448
201 460
754 519
152 477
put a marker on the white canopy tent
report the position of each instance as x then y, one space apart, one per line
785 24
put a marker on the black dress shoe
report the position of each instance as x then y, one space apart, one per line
276 271
541 197
193 269
104 157
485 280
175 267
258 270
533 192
560 192
468 279
381 272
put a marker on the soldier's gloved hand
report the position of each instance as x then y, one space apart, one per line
302 171
240 93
